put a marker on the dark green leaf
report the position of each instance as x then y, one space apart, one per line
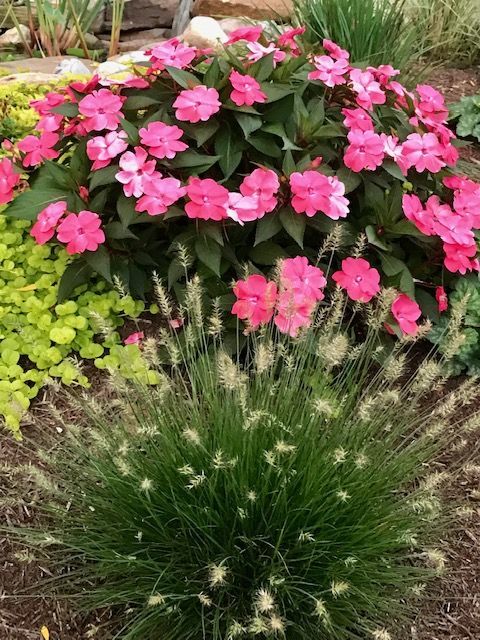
61 175
76 274
209 252
248 123
266 146
193 160
276 91
99 261
288 165
281 110
27 205
175 271
267 227
103 177
226 148
183 78
393 169
116 231
68 109
294 224
374 239
134 103
391 265
263 68
267 253
201 132
213 74
350 179
330 131
131 131
126 209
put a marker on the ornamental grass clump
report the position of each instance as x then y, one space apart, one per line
291 494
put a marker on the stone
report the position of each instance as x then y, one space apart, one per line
144 14
232 24
254 9
204 33
72 66
133 57
147 35
12 38
38 65
110 68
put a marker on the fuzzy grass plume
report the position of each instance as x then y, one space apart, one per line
291 493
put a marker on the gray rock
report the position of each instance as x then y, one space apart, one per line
147 35
203 33
12 38
72 66
145 14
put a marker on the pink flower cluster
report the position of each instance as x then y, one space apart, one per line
291 304
9 179
80 232
314 192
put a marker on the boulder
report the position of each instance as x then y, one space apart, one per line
232 24
12 37
147 35
204 33
254 9
144 14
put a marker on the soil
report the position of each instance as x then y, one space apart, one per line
451 612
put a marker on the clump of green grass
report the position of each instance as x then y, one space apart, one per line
373 31
291 494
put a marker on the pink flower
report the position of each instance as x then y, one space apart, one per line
246 90
249 34
262 184
244 208
383 73
461 258
422 218
431 106
300 276
9 179
466 198
294 311
44 106
256 299
81 232
134 338
199 103
171 53
102 149
160 193
334 50
38 149
367 89
450 226
258 51
50 123
441 298
406 312
208 199
130 82
162 140
287 39
102 109
329 71
313 192
135 168
357 119
361 281
424 152
44 228
365 151
394 150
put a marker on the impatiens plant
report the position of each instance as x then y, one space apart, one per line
243 157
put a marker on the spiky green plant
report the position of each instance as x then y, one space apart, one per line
373 31
291 494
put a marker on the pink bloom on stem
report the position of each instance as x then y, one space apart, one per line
423 152
38 149
287 39
249 34
466 198
431 106
357 119
422 218
172 53
329 71
84 193
258 51
199 103
130 82
162 140
246 90
361 281
244 208
300 276
461 258
208 199
82 87
102 149
44 106
406 312
134 338
9 179
383 73
313 192
47 220
393 149
50 123
256 298
263 185
365 151
134 170
334 50
160 193
367 89
294 311
102 110
452 227
81 232
441 298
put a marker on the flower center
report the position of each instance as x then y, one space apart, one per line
358 278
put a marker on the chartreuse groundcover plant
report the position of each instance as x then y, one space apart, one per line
245 157
291 494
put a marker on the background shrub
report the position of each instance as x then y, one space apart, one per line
466 115
294 495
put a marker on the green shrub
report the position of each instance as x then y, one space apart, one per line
373 31
466 115
290 496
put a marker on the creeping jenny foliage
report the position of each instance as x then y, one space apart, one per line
291 496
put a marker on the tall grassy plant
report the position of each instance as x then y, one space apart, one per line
450 28
293 494
118 7
373 31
